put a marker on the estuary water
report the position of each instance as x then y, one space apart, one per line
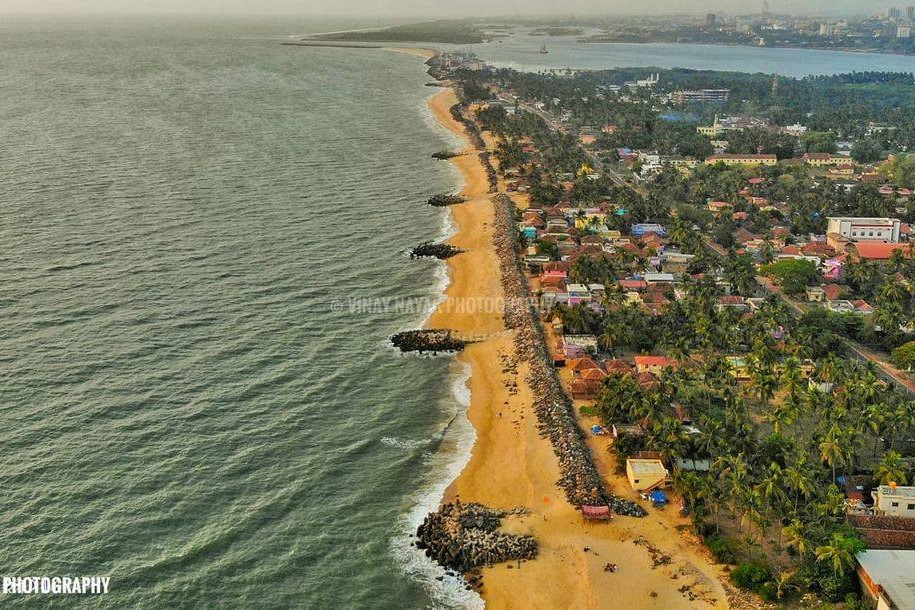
522 52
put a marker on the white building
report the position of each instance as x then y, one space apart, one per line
888 578
877 229
894 501
797 130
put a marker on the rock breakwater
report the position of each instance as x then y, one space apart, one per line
444 199
428 340
463 537
435 250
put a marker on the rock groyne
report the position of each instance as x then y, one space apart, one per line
463 537
434 250
428 340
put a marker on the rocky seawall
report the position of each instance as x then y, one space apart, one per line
579 477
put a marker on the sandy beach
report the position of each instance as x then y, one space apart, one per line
512 466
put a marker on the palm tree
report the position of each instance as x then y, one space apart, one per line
832 449
798 480
891 469
792 378
840 552
874 418
796 537
785 583
764 383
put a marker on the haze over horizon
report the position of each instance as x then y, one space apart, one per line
440 8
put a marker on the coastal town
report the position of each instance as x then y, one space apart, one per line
889 31
713 311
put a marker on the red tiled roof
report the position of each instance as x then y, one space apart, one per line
646 380
731 299
593 375
832 291
652 361
633 284
582 364
617 366
876 250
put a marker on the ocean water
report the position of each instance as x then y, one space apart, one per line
187 402
522 52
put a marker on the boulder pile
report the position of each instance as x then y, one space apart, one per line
446 154
491 175
556 419
463 537
472 129
439 251
444 199
428 340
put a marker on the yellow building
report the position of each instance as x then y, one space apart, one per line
645 475
737 159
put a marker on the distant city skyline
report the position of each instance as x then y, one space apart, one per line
441 8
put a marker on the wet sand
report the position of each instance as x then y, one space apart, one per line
511 465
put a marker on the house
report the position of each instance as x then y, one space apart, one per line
615 366
588 384
646 474
659 278
894 501
822 159
633 285
888 578
647 381
693 465
833 292
577 346
639 230
879 229
578 294
732 301
738 368
580 365
747 159
717 207
654 364
815 294
877 250
832 270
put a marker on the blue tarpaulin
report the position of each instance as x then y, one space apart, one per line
658 497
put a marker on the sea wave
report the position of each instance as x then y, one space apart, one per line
448 590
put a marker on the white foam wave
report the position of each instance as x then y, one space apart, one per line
403 443
446 465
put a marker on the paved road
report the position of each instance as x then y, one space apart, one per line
887 371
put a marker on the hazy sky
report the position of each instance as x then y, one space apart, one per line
442 7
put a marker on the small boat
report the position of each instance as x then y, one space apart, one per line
543 50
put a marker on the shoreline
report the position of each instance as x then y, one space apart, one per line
511 465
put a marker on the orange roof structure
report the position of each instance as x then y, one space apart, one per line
877 250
